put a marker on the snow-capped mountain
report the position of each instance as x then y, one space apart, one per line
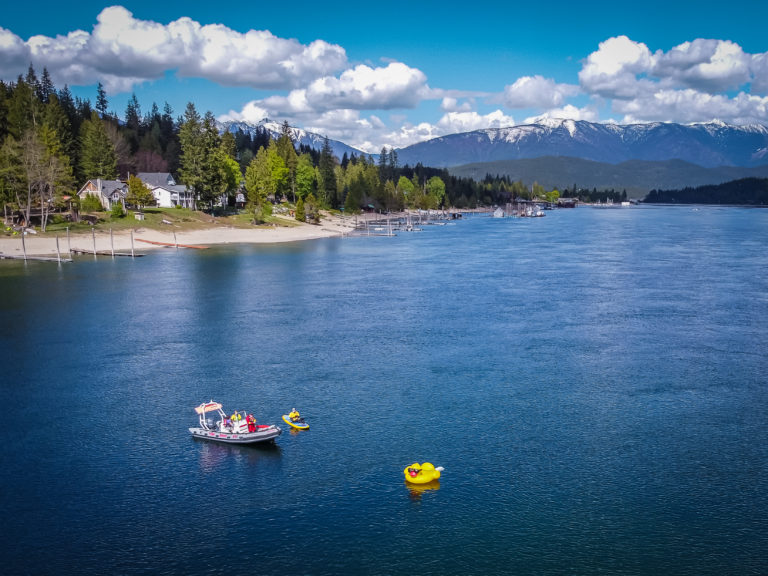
708 144
300 136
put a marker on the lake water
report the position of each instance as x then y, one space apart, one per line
593 382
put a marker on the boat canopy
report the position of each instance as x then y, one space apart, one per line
209 407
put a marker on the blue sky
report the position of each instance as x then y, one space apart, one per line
393 73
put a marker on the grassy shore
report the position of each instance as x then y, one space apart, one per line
170 226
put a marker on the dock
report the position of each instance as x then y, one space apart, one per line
172 244
104 253
35 258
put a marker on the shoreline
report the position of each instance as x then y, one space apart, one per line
83 242
146 240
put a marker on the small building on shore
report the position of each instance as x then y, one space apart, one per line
109 192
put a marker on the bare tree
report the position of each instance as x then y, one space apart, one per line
44 172
32 154
125 161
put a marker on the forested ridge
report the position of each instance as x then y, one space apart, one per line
745 191
53 143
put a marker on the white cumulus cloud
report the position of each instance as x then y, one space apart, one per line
363 87
709 65
692 82
567 112
122 51
453 122
612 71
359 88
451 104
693 106
537 92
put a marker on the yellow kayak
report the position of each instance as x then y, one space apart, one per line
299 424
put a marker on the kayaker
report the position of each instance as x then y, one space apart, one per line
294 415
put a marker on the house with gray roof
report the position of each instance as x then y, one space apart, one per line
166 191
109 192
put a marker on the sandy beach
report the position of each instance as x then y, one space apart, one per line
145 239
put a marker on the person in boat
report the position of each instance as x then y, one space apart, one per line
251 423
294 415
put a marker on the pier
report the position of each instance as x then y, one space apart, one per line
33 258
172 244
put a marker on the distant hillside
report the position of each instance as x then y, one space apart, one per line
637 177
310 139
745 192
710 145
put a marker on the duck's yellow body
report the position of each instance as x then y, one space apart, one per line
421 473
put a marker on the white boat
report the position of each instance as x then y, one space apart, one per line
239 428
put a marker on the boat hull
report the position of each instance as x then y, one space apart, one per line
261 435
300 425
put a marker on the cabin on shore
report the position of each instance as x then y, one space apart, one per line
109 192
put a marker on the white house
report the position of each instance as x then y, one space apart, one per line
109 192
165 190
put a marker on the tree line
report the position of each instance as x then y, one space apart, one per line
745 191
52 142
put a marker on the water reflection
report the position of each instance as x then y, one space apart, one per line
416 491
214 456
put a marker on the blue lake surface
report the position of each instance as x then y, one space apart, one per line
594 383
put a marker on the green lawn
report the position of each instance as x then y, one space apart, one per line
166 219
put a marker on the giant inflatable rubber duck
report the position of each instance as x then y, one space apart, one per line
422 473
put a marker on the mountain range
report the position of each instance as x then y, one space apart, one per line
557 152
637 177
709 145
300 136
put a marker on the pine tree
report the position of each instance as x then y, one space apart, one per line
133 114
228 145
301 215
31 79
22 109
56 120
258 184
46 87
213 181
287 151
97 153
191 142
101 100
328 188
393 163
132 123
4 97
384 171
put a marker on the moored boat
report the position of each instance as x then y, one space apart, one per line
239 428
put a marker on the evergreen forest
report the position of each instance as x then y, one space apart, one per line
744 192
52 143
